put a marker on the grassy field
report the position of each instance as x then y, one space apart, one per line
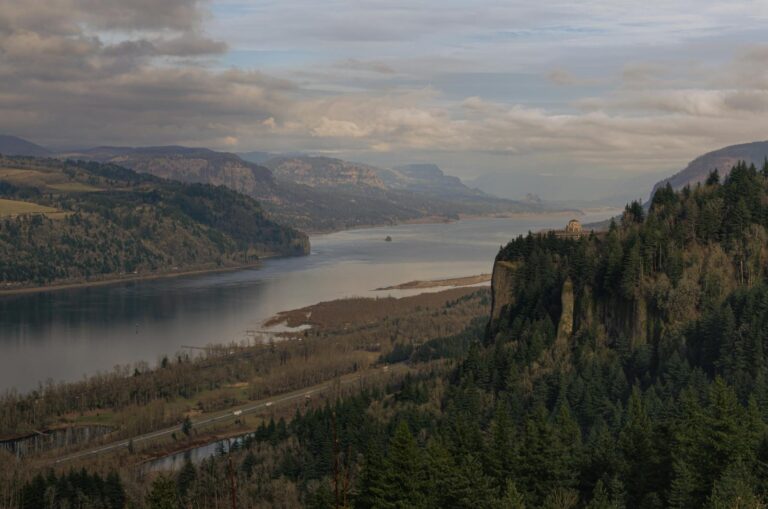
13 208
73 187
53 181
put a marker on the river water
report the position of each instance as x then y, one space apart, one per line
66 334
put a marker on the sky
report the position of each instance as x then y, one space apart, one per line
594 87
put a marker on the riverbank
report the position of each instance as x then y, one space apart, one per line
349 338
438 283
111 279
461 217
124 278
345 314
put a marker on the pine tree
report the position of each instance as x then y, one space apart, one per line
638 449
511 498
402 482
472 488
162 494
114 491
734 490
185 479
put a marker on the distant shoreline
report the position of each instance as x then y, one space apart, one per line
110 280
448 220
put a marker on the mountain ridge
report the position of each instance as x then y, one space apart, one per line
315 193
722 159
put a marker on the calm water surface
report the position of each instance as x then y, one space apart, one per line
66 334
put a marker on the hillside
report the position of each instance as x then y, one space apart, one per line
191 165
64 221
324 172
723 160
15 146
286 201
410 192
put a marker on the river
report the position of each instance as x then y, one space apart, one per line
66 334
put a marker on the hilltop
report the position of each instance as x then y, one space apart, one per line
65 221
722 160
15 146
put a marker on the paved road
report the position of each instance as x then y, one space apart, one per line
229 414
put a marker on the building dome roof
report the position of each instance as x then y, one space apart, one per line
574 226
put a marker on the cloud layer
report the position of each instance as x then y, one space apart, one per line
593 86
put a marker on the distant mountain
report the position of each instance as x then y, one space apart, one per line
398 194
256 156
315 193
324 172
722 160
70 221
15 146
428 179
190 165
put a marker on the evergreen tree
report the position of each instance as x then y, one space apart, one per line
511 498
114 491
402 483
162 494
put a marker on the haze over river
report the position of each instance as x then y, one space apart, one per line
65 334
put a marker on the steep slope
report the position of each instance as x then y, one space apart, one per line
429 179
15 146
324 172
66 221
722 160
307 207
412 191
191 165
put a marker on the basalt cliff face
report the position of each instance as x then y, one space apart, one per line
575 309
647 287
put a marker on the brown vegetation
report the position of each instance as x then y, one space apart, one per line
436 283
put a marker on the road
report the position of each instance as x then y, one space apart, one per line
229 414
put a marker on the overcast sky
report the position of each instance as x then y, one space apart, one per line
600 87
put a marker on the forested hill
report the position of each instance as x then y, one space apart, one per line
722 159
633 365
75 221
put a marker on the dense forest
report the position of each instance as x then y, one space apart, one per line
71 221
625 369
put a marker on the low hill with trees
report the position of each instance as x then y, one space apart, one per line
65 221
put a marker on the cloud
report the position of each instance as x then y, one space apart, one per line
368 66
589 85
78 72
564 78
188 45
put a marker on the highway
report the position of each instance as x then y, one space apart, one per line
229 414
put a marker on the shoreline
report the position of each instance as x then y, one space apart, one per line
425 284
127 279
448 220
